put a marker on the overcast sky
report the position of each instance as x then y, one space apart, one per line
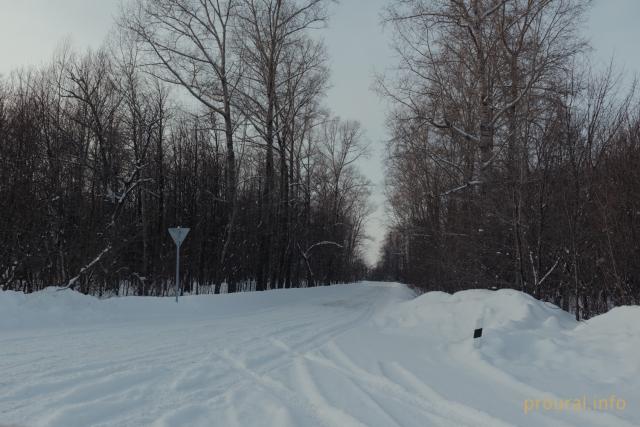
30 30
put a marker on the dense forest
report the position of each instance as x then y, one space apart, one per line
200 114
513 160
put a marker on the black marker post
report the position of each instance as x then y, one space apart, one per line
477 332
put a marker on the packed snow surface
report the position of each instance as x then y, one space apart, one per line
367 354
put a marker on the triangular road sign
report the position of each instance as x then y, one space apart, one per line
179 234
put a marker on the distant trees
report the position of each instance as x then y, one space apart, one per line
99 157
502 158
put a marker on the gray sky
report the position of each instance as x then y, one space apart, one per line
30 30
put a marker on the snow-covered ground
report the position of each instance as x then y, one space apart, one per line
356 355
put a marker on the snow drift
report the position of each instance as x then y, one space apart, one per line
455 315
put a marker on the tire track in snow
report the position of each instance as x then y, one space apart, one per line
310 343
333 416
431 403
99 365
70 381
474 360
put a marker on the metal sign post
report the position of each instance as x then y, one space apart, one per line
178 235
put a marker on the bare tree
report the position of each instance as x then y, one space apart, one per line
466 64
271 30
188 44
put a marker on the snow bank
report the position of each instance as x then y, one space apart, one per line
55 307
529 345
50 307
456 316
620 320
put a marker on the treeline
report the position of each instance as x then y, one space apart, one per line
98 157
513 163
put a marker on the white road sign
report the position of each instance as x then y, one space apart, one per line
179 234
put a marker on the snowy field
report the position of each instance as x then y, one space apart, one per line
356 355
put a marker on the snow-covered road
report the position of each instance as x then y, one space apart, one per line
355 355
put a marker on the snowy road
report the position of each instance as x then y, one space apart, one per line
337 356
